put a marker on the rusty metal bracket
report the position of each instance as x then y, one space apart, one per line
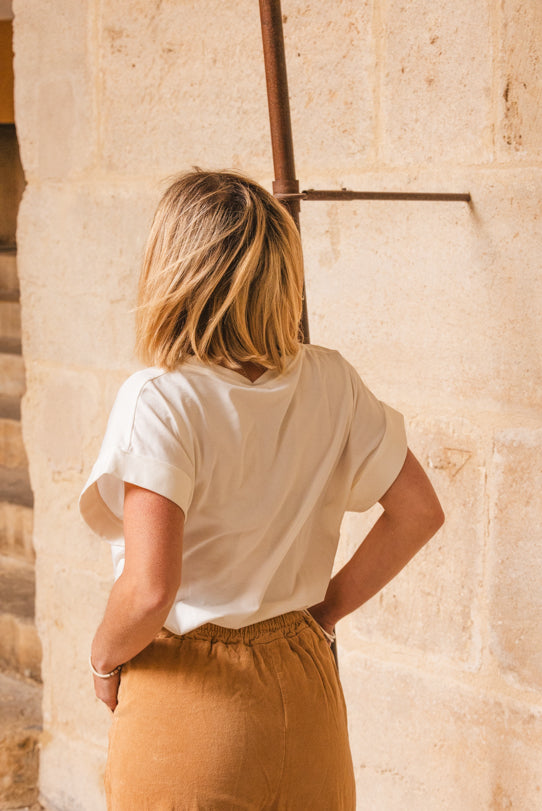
286 185
348 194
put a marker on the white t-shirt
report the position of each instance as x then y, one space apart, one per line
263 472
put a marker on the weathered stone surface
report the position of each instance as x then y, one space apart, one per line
69 703
12 381
436 82
199 92
8 271
516 556
11 184
55 108
433 605
520 82
422 742
20 649
12 451
93 241
16 524
71 400
10 319
330 59
15 486
62 785
437 305
20 727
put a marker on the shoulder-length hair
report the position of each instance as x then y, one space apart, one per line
222 276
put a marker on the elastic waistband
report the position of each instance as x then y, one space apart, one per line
263 631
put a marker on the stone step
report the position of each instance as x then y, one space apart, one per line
15 486
20 729
10 315
20 647
8 271
16 528
12 380
12 451
11 183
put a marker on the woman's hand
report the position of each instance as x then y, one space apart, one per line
106 690
318 614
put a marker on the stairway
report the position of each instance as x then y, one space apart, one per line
20 650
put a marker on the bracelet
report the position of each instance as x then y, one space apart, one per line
331 637
104 675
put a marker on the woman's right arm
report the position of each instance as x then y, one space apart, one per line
412 515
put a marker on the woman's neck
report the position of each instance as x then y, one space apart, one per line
249 369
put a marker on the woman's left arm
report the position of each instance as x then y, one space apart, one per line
142 596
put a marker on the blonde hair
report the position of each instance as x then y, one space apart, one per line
222 276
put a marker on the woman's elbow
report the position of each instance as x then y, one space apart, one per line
438 517
149 597
431 516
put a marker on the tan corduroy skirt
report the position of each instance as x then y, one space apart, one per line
221 719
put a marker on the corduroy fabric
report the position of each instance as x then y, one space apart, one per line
222 719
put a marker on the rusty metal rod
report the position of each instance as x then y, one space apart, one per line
346 194
285 182
282 143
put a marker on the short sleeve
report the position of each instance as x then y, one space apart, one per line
377 446
146 443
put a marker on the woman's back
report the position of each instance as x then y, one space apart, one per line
262 470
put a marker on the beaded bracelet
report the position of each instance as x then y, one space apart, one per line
331 637
104 675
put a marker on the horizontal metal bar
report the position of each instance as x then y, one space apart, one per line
345 194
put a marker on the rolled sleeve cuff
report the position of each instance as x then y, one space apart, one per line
382 466
100 503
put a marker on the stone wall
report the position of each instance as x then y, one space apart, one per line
437 305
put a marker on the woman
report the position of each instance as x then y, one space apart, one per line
223 477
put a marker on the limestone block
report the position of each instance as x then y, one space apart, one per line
11 184
330 60
79 262
10 319
516 556
59 412
8 271
20 725
437 304
54 87
436 82
182 85
69 540
69 703
71 774
20 649
15 486
65 415
12 382
433 604
16 524
423 742
12 452
520 81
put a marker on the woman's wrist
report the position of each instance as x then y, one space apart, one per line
100 663
103 674
321 614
